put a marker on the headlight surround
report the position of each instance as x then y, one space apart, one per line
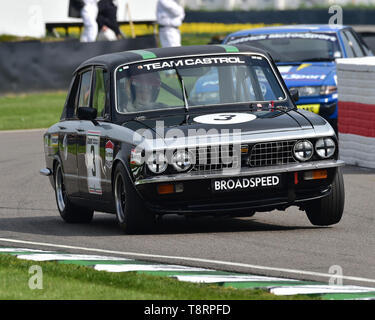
325 90
310 91
136 156
157 162
182 160
303 150
325 147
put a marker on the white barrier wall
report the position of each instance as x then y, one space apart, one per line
28 17
22 18
356 110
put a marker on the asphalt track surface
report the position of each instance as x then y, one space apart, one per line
275 243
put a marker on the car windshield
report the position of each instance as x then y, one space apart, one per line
295 46
222 79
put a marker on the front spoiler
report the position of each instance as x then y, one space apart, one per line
243 172
239 206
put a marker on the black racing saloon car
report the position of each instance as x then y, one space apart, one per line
189 130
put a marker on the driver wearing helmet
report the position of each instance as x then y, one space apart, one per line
144 91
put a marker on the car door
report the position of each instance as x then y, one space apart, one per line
67 138
92 139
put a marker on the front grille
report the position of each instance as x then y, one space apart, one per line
215 158
272 153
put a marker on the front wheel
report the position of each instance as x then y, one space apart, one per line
131 214
328 210
69 212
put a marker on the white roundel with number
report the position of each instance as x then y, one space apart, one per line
225 118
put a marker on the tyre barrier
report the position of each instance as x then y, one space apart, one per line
356 110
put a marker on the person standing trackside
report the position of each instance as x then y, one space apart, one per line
169 15
89 13
107 21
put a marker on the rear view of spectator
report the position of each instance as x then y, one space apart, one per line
169 14
107 21
89 13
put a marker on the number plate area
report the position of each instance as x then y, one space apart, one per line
310 107
246 183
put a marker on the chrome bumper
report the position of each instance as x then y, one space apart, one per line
243 172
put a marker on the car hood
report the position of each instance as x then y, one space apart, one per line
173 128
308 74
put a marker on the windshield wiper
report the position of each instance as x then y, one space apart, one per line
184 93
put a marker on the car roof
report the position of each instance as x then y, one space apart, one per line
291 28
113 60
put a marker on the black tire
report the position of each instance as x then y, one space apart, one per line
69 212
328 210
131 214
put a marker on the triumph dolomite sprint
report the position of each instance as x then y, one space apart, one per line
138 139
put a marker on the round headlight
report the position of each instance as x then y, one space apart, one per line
325 147
157 162
182 160
303 150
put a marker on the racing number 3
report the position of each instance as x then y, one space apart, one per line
225 117
93 162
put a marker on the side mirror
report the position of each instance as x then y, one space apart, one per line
295 94
86 113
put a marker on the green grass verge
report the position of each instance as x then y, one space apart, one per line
70 282
30 111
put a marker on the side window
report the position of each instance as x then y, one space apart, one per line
356 45
99 98
363 44
70 103
84 92
352 43
348 48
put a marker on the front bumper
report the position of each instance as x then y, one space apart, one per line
198 195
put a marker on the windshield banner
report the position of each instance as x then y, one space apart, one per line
288 35
192 62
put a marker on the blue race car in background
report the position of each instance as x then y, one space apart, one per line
305 56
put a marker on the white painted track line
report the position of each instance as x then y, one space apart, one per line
57 257
146 267
229 278
285 271
316 289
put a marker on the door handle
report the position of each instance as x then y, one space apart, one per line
62 128
80 130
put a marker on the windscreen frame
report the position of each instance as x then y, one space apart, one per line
286 96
